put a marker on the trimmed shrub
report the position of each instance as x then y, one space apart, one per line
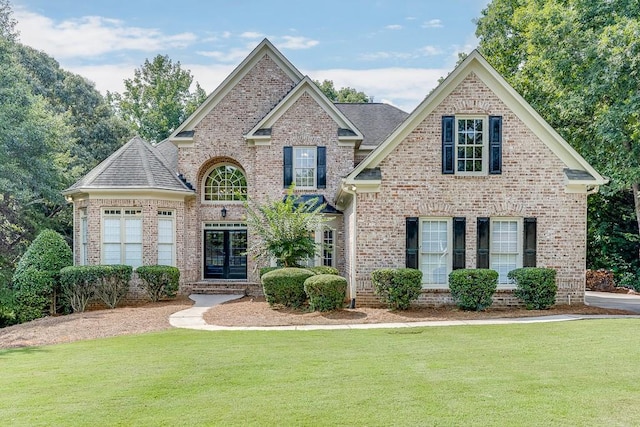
323 269
535 286
285 286
36 279
79 284
397 287
326 291
113 283
159 281
473 289
265 270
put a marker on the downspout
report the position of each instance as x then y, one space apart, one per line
351 189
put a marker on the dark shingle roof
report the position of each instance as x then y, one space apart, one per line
369 174
578 175
318 200
169 152
376 121
137 164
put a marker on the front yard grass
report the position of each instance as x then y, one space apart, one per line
553 374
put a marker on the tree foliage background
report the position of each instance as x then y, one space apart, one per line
54 127
158 98
577 62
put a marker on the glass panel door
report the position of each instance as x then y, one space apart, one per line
237 254
225 254
214 254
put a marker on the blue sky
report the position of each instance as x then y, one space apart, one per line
394 51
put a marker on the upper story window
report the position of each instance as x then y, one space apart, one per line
472 145
306 167
225 183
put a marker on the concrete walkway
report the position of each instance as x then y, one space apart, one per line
191 318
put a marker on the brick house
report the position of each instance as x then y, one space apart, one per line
473 177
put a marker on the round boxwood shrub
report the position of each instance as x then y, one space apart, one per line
36 279
473 289
535 286
397 287
285 286
323 269
265 270
326 291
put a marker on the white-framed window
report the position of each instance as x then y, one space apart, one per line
328 247
225 183
84 235
166 238
505 247
122 236
304 167
471 145
435 243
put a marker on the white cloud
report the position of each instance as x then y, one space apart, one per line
251 35
394 27
92 36
295 43
233 55
375 56
403 87
430 51
433 23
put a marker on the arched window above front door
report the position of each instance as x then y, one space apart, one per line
225 183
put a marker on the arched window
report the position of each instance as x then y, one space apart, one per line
225 182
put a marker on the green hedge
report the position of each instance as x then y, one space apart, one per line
473 289
79 284
326 291
265 270
397 287
113 284
285 286
159 281
535 286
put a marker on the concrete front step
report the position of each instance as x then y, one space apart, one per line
224 288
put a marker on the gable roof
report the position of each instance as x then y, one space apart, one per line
475 63
184 132
135 165
375 120
347 132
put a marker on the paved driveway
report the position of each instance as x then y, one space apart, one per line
613 300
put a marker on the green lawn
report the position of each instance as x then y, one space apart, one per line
582 373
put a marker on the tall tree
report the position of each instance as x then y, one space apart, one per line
345 94
158 98
34 145
577 62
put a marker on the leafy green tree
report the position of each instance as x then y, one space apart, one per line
577 62
34 146
345 94
285 229
37 277
7 22
158 98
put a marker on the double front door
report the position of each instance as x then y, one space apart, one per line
225 254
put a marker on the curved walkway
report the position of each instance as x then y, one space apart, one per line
191 318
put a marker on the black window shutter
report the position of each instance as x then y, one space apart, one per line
482 246
448 144
530 241
412 242
495 145
321 163
288 166
459 230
